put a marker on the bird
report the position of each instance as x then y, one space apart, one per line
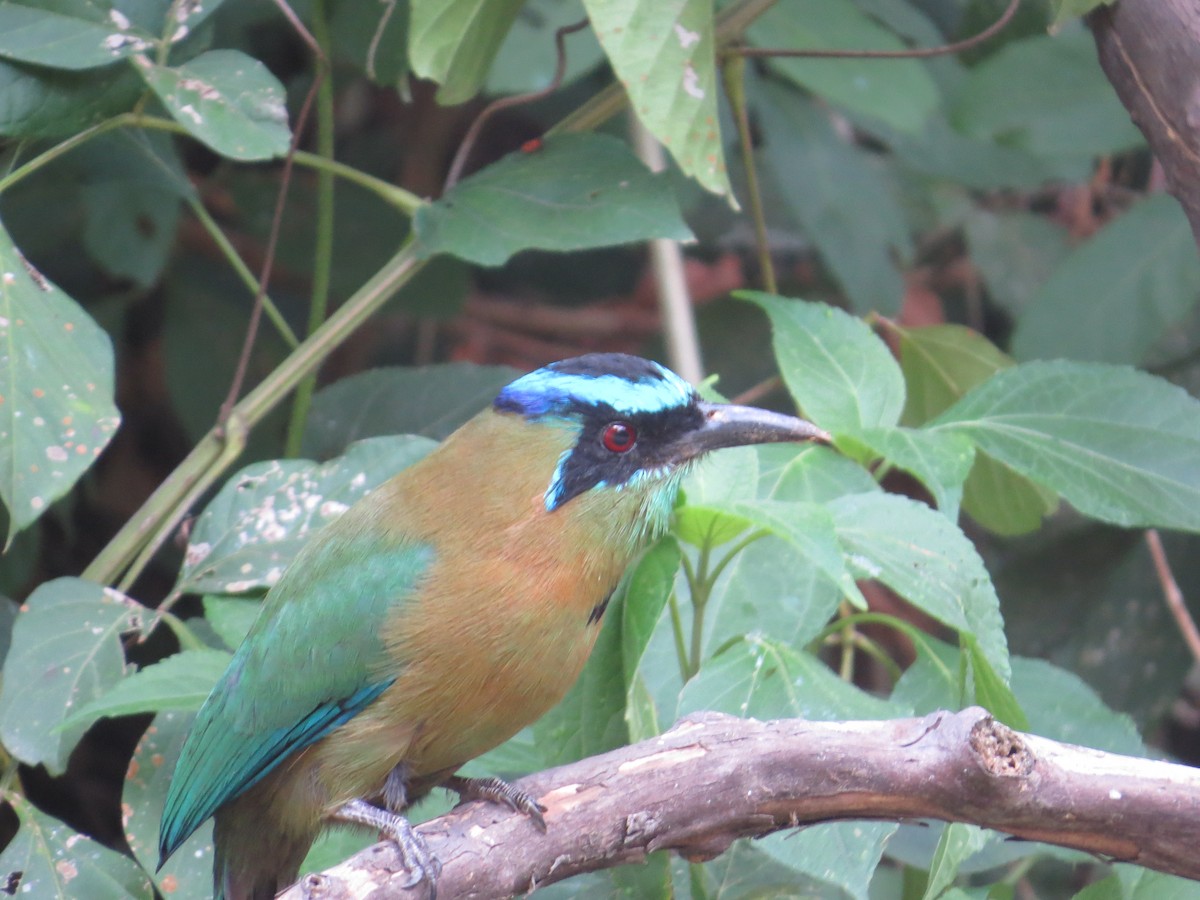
446 610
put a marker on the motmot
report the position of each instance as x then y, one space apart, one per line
443 612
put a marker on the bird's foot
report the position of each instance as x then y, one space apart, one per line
497 791
421 864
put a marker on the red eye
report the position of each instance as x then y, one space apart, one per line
619 437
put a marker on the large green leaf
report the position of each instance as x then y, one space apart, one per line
1048 95
839 194
1119 444
842 376
663 53
900 92
66 651
941 465
67 38
187 875
576 191
48 859
54 103
56 389
925 558
940 364
647 592
429 400
1016 252
225 99
178 683
1113 297
454 42
264 514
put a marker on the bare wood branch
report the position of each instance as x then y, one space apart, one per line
1145 46
714 778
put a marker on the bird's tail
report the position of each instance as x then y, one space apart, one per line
253 860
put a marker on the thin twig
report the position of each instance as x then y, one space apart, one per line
1172 594
472 136
916 53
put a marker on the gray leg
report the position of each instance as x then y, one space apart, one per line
420 863
496 791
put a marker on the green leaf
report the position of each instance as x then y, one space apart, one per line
66 39
66 651
528 57
134 182
1047 95
941 465
844 854
577 191
1115 296
959 842
53 103
648 589
51 860
1118 444
941 363
991 691
179 683
1016 252
428 400
231 617
759 677
705 526
56 389
1004 502
845 202
842 376
453 42
226 100
264 514
925 558
1143 884
188 873
902 94
663 53
809 528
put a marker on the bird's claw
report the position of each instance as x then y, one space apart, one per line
496 791
418 860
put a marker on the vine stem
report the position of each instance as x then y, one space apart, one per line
163 510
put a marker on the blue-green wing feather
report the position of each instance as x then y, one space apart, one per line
313 660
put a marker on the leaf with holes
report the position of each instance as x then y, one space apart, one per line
664 55
260 519
225 99
66 651
50 859
56 389
61 39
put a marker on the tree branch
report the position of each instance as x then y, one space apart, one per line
714 778
1145 47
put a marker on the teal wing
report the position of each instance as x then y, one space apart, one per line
312 661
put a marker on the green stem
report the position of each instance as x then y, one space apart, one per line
701 590
733 73
405 201
914 634
323 248
217 236
210 457
677 630
186 637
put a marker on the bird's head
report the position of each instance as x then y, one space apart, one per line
636 427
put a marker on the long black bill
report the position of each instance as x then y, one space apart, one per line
727 425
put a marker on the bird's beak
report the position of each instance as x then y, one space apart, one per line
727 425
